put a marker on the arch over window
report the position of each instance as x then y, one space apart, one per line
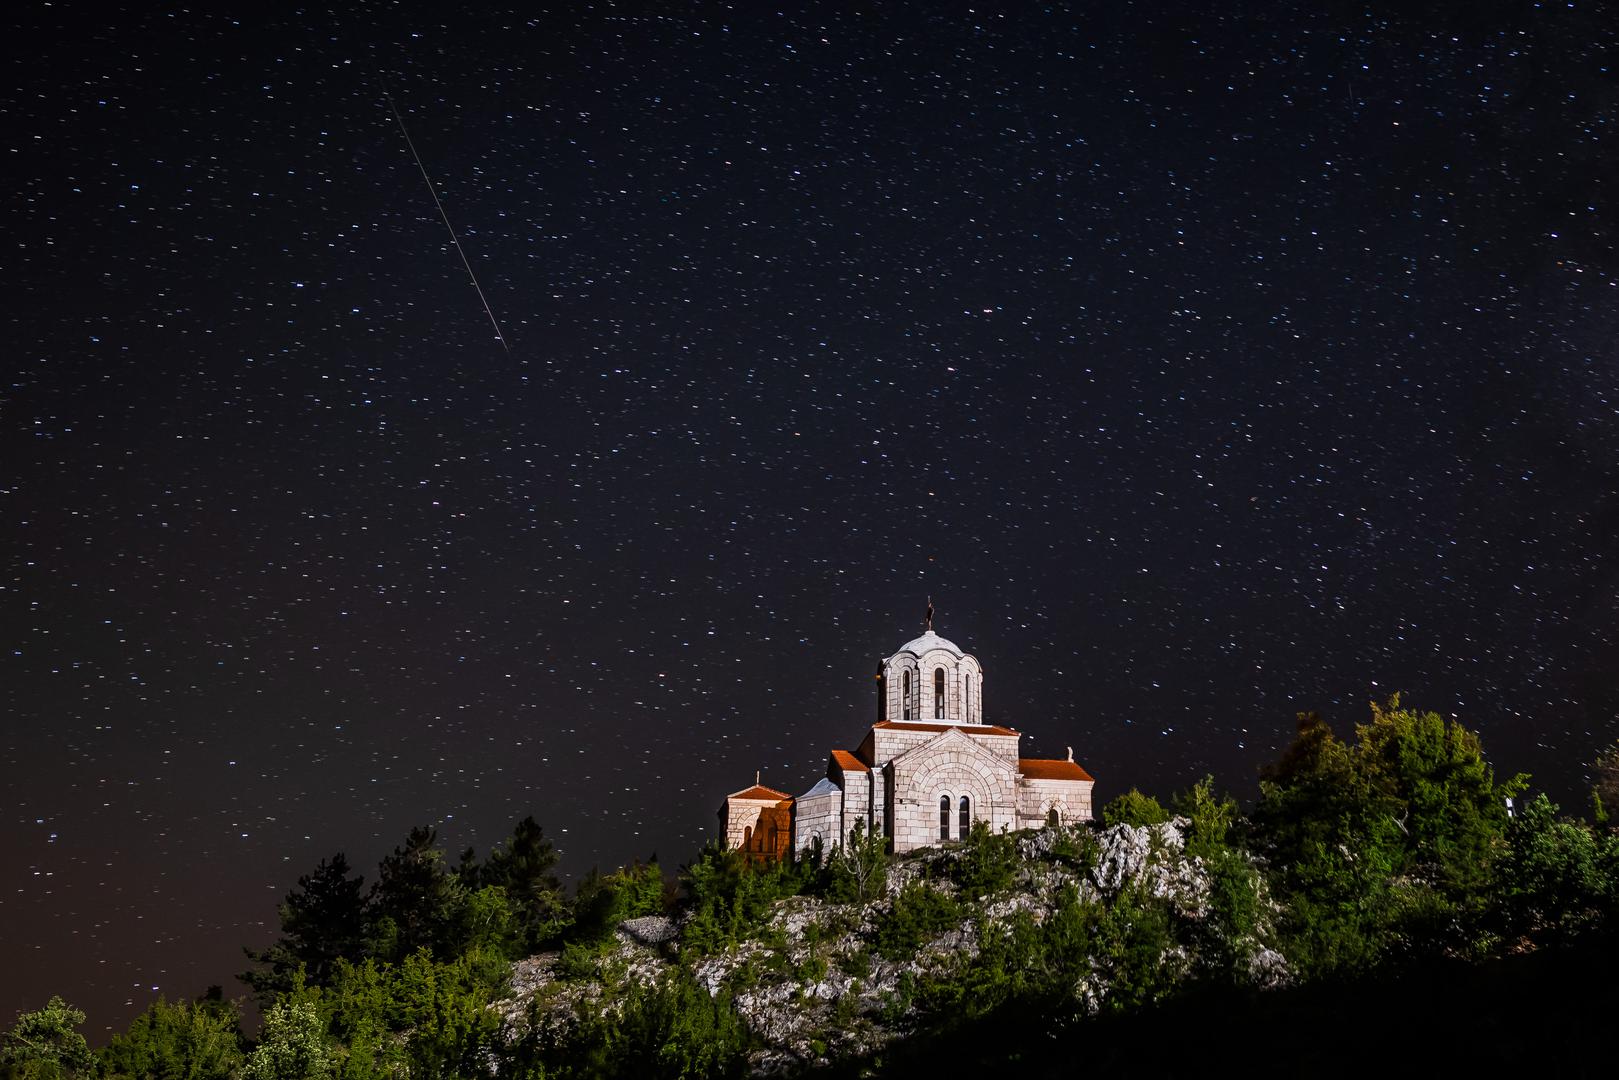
1053 817
966 817
938 693
905 694
944 817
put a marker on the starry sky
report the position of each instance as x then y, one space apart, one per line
1201 367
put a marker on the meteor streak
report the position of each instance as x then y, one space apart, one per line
500 337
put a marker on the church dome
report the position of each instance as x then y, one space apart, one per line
930 680
927 641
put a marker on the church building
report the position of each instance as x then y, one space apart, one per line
930 767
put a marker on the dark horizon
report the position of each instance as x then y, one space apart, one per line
1201 367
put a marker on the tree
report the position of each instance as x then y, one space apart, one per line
1134 808
602 902
416 899
179 1041
1551 881
857 870
45 1045
728 898
1605 785
421 1017
1384 844
1209 818
1432 772
323 920
987 862
292 1046
523 867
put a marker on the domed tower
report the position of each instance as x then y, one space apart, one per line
931 681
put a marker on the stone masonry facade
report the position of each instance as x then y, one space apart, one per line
927 770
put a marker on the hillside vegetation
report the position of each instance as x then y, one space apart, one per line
1380 904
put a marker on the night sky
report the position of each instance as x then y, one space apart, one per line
1201 368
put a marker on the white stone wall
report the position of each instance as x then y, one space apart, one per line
951 766
1036 798
856 800
961 705
888 743
818 816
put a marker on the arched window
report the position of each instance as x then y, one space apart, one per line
938 693
966 817
967 697
944 817
905 695
1053 818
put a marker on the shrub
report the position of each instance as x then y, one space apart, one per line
1134 808
987 862
918 914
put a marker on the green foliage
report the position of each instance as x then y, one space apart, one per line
323 920
918 914
856 871
1020 965
1134 808
179 1041
1433 773
1358 853
1130 942
523 866
1076 846
486 923
602 902
1381 847
1555 878
1209 819
416 900
987 862
729 899
672 1028
423 1016
292 1046
1605 784
46 1045
582 959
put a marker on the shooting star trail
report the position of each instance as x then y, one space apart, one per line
500 337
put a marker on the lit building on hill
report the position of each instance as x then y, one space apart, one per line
928 769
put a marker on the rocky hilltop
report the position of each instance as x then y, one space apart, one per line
816 979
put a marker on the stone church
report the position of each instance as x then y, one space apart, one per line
930 767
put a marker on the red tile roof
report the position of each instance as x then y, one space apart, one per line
1034 768
760 792
971 729
848 762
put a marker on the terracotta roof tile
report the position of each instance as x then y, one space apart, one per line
1051 769
971 729
848 762
759 791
